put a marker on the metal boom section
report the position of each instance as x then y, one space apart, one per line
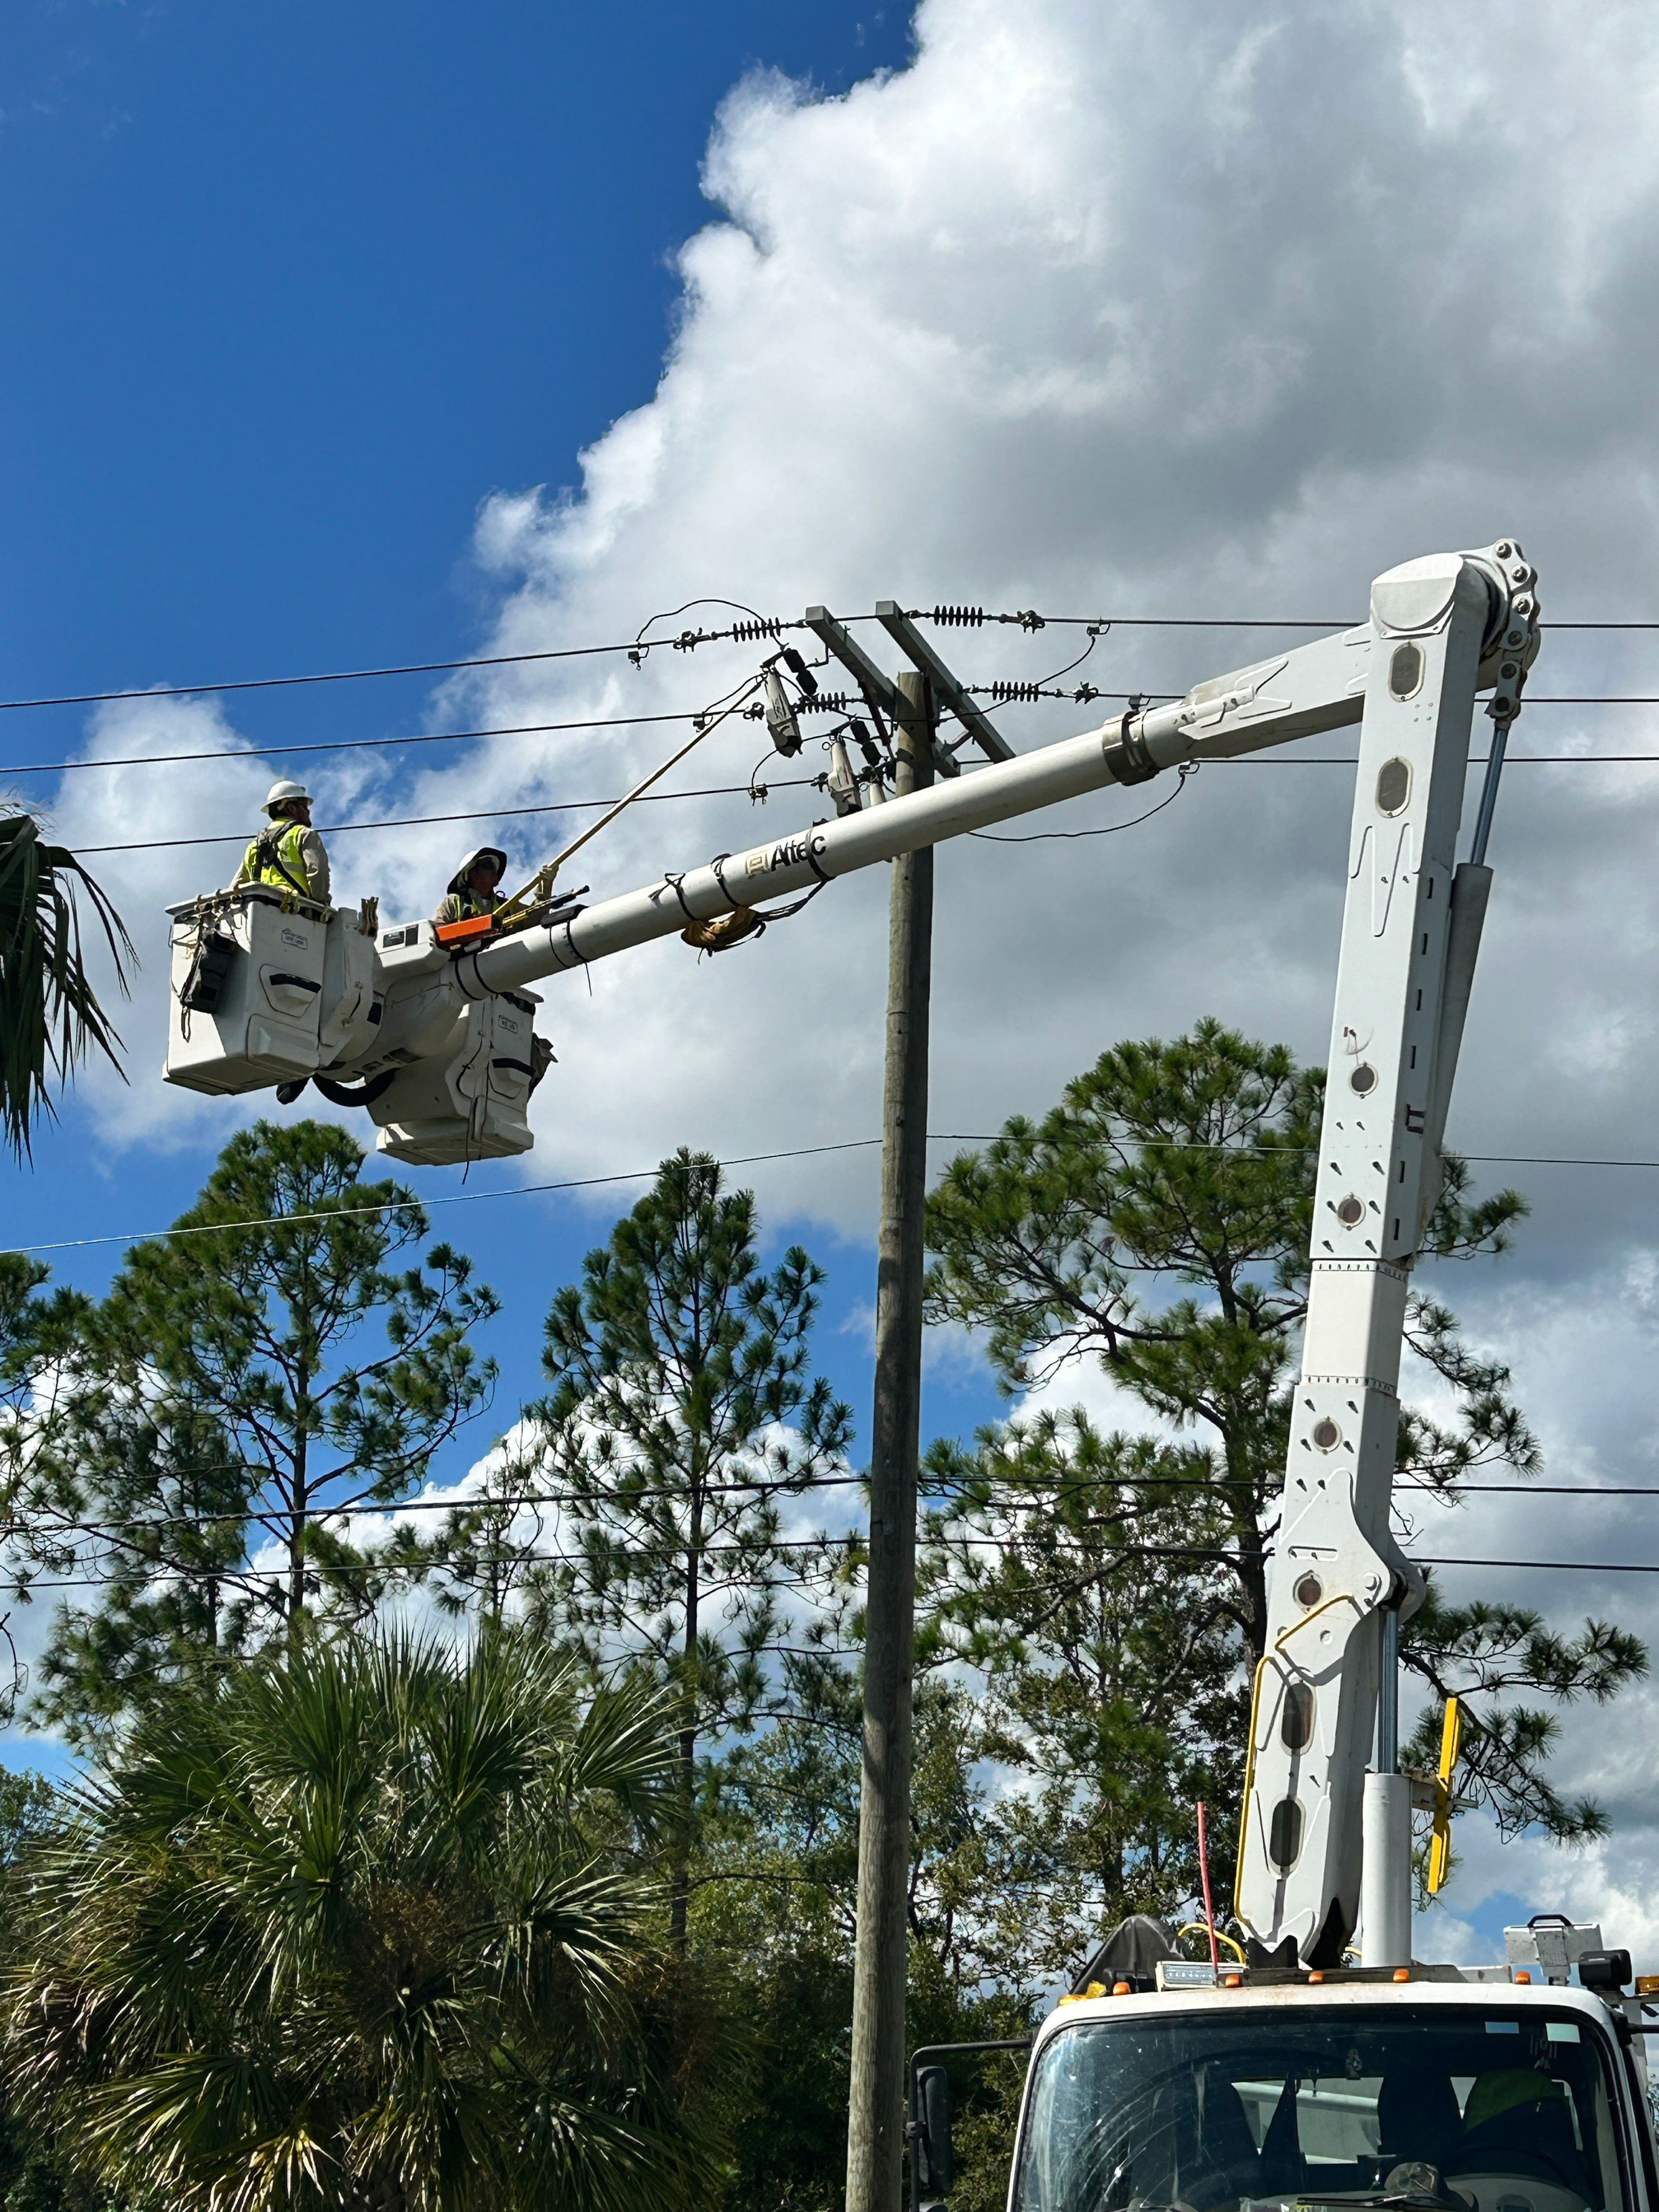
1410 931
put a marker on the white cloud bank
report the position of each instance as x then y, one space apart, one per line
1143 308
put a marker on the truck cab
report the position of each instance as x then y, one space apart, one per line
1414 2091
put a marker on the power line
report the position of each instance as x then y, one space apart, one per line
641 721
22 1584
758 630
749 1159
740 790
478 814
419 1204
341 744
1010 1500
1476 760
1550 1566
973 617
1004 1497
639 645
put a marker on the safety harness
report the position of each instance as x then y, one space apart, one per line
274 857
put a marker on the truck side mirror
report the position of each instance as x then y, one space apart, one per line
930 2143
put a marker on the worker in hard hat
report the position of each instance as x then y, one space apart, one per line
288 855
471 889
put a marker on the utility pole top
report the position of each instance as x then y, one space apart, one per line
880 691
947 692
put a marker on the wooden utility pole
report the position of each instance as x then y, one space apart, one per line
875 2136
910 706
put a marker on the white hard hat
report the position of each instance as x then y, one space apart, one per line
279 792
493 854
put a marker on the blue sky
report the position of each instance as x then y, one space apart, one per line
290 292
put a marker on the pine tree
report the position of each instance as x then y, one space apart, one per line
1157 1221
234 1396
681 1416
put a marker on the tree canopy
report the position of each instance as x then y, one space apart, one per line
681 1412
364 1923
265 1365
1156 1223
386 1942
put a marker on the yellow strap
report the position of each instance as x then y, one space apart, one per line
1451 1738
1249 1784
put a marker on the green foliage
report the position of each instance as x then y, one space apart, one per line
49 1014
34 2175
42 1372
1158 1221
228 1395
1075 1573
366 1924
682 1410
1487 1654
773 1891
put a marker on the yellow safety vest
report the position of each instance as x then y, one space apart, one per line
464 905
274 857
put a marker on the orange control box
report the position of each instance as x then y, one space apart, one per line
462 933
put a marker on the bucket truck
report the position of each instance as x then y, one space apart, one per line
1161 2086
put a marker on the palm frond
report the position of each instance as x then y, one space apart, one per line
49 1014
362 1924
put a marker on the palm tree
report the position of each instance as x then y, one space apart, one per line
367 1929
49 1012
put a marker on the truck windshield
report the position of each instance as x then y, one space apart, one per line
1466 2110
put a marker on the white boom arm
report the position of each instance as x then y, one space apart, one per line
442 1047
1317 687
1411 930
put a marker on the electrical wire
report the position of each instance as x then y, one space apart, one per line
643 721
420 1204
1188 768
749 1159
758 626
23 1585
479 814
344 744
1029 619
401 668
1551 1566
780 783
1006 1498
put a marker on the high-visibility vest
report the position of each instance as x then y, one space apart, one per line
464 905
274 857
